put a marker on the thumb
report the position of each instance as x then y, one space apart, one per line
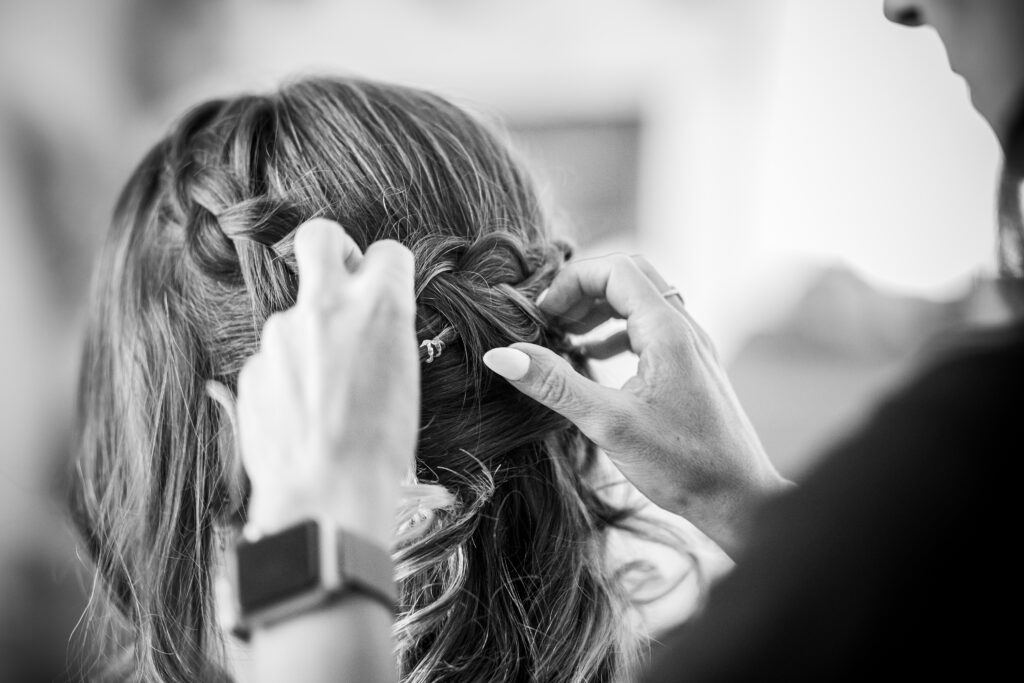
550 380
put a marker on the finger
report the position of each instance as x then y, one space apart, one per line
384 286
608 347
388 265
676 300
650 271
247 407
586 318
616 278
325 255
231 460
550 380
626 289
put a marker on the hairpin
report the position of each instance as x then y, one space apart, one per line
431 349
434 348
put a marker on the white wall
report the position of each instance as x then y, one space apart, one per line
782 133
779 133
873 153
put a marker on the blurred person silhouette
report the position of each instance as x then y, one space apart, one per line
891 558
503 569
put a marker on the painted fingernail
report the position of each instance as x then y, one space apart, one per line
543 295
512 364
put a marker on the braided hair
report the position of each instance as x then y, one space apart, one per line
504 579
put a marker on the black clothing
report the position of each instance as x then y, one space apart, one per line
894 556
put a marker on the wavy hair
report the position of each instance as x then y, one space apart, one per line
1010 209
503 578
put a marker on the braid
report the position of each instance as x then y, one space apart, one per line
237 266
234 240
471 290
504 577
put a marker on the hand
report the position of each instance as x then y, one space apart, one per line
676 430
328 408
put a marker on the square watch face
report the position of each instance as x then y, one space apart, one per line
278 567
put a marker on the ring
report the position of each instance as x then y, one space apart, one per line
674 291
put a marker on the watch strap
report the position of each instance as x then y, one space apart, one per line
303 567
366 567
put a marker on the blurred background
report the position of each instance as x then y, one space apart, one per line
813 179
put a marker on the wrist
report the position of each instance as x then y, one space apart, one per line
307 566
362 502
728 518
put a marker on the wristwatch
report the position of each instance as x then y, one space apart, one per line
305 566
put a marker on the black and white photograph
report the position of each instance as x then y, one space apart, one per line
481 341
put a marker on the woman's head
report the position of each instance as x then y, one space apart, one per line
985 44
506 581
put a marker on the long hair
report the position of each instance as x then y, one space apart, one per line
1011 213
504 581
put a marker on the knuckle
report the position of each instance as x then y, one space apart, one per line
569 270
391 253
696 335
308 235
552 387
389 261
391 299
395 247
666 318
321 223
615 427
627 266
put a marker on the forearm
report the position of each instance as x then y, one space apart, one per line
350 640
327 422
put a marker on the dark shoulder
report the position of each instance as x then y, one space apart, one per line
867 549
958 414
980 350
966 378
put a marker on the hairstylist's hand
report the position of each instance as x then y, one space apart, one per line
676 429
328 409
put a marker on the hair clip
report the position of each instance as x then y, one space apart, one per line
434 348
431 349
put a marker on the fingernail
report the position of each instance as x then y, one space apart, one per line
542 296
512 364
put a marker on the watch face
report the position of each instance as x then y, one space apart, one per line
278 567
